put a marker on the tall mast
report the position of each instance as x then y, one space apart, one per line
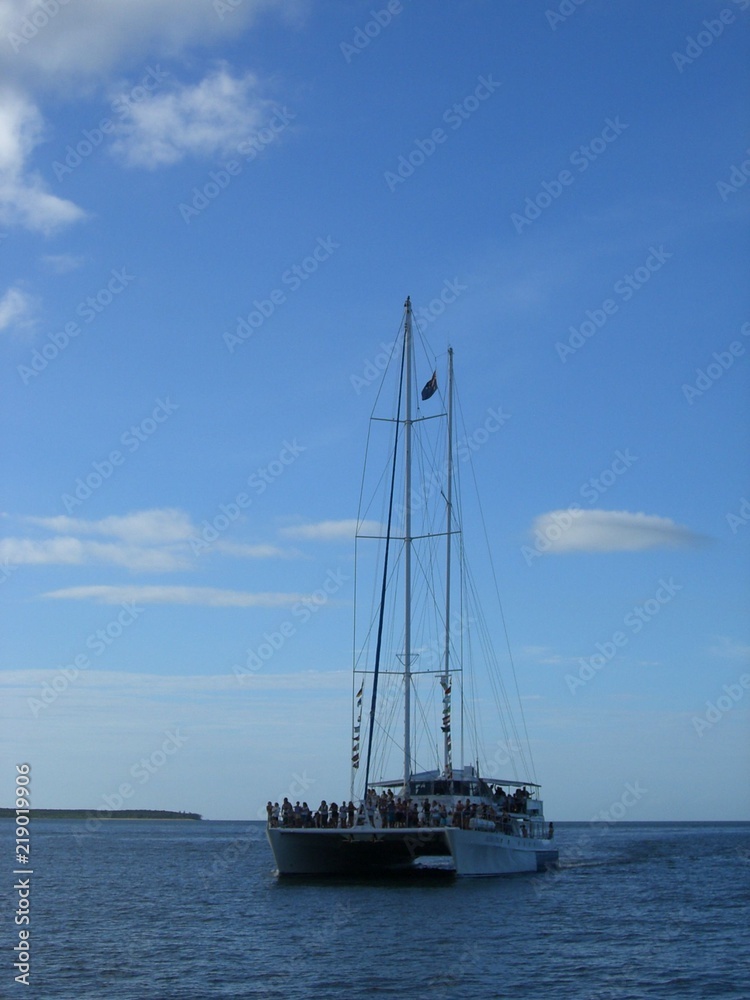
407 549
449 526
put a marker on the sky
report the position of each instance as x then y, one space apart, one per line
210 216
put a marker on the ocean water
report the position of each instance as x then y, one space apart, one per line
185 911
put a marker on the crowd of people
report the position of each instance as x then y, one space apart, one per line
393 812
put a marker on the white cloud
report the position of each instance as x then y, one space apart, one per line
62 263
144 527
329 531
243 551
608 531
209 597
24 199
70 48
213 116
730 649
84 41
147 687
160 539
16 308
74 552
547 656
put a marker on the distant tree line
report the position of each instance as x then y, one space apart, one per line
102 814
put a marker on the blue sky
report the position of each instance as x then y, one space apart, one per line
210 215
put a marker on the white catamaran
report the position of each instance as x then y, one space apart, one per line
415 653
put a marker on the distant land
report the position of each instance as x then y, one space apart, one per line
101 814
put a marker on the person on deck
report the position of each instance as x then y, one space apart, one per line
390 812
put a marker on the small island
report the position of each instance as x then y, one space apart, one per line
101 814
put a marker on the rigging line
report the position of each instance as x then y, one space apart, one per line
427 731
388 363
364 648
502 613
503 705
379 641
505 713
374 407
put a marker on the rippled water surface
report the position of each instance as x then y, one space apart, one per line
174 910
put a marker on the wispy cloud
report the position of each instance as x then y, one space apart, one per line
157 540
24 198
156 526
62 263
201 120
209 597
66 550
329 531
243 551
84 41
16 308
610 531
547 656
730 649
97 686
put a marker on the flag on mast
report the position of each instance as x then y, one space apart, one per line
431 388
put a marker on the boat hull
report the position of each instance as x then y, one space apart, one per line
478 852
370 850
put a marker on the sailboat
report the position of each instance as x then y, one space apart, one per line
411 658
